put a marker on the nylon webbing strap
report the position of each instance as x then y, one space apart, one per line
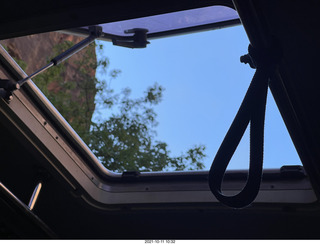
251 110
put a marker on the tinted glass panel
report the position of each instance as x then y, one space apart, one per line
173 21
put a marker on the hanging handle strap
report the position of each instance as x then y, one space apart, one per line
251 110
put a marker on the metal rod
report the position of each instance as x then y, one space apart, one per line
74 49
4 188
21 82
34 196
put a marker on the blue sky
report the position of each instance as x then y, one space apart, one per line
204 85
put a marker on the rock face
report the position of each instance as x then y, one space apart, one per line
37 50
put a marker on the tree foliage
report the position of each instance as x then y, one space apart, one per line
71 97
126 139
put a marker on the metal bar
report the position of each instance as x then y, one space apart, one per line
21 82
34 196
33 225
2 186
74 49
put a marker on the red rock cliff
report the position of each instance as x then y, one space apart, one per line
36 51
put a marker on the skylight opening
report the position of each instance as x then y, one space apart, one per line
166 107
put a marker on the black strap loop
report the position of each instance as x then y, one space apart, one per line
251 110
